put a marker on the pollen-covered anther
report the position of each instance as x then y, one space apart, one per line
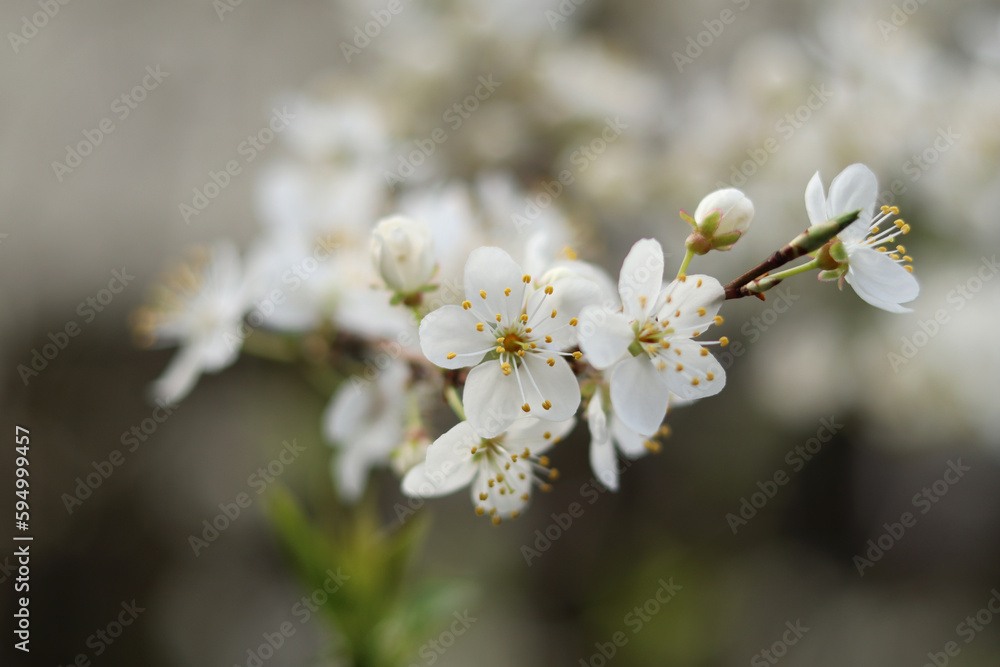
524 496
499 349
665 344
482 294
547 435
548 289
909 268
680 367
520 353
524 318
451 355
550 361
554 474
503 491
526 407
703 352
573 321
664 431
642 301
695 382
717 320
701 312
710 376
483 495
495 520
490 483
548 339
532 345
554 313
506 368
499 317
545 487
683 279
480 511
543 461
653 446
506 291
547 405
723 341
526 278
466 305
480 326
514 514
474 449
513 457
699 283
577 355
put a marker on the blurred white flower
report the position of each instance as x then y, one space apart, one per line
879 276
523 330
200 309
650 343
365 420
502 470
403 252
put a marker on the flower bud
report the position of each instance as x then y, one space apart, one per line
721 219
403 253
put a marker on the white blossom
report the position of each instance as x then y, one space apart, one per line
650 343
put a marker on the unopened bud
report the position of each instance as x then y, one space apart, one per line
403 252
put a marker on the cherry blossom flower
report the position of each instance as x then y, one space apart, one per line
200 309
879 275
650 343
513 335
501 470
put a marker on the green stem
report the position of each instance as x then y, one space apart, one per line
688 256
454 402
771 280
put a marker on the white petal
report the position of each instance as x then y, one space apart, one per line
638 395
854 188
492 400
448 467
569 297
180 377
692 304
678 371
516 492
538 435
632 444
604 336
641 278
348 410
491 270
603 460
880 281
815 200
453 329
556 383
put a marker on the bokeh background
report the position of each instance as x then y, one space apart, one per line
911 89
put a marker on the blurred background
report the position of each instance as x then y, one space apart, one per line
773 507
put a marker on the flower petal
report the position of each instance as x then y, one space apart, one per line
685 370
449 465
690 305
880 281
632 444
604 336
453 329
503 498
603 460
556 384
569 296
492 400
538 435
638 394
491 271
815 200
854 188
641 278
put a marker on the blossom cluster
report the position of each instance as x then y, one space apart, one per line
449 300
